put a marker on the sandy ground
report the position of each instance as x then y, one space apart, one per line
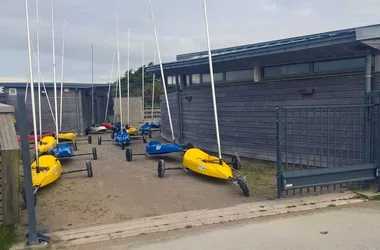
122 190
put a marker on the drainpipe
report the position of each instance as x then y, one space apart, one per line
368 73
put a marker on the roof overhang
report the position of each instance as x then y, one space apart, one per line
337 44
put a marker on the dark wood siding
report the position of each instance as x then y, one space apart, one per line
70 102
247 111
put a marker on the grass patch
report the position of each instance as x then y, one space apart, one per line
261 177
7 237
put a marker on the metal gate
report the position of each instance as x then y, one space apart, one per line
332 146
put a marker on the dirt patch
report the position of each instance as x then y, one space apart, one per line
122 190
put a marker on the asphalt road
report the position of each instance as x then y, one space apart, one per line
353 227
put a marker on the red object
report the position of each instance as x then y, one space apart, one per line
108 125
31 137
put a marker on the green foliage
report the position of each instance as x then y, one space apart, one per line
7 237
135 85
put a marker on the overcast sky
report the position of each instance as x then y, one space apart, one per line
180 27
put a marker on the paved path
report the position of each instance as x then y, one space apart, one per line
191 219
349 228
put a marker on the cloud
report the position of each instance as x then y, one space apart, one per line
180 27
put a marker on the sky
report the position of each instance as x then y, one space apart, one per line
180 27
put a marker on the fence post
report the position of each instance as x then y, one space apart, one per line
279 153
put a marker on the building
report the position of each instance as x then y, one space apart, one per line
76 111
335 67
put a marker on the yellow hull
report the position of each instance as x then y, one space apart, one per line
67 136
132 131
193 160
46 144
50 170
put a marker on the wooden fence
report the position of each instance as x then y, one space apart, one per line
148 114
9 168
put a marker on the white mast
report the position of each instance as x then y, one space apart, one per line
162 71
31 83
128 79
43 84
154 79
38 74
109 86
212 82
143 81
118 71
54 76
63 54
92 85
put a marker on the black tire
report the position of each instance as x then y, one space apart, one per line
75 145
89 139
113 135
23 194
90 174
243 185
161 168
94 154
128 154
150 134
236 162
122 146
99 140
144 138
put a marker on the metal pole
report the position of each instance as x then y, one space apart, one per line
279 155
212 83
154 79
109 86
54 75
32 84
142 81
118 71
92 84
63 54
21 120
162 71
38 70
128 80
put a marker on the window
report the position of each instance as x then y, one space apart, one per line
240 75
172 80
12 91
286 70
187 80
340 65
218 77
196 79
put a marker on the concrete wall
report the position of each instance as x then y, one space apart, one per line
247 111
135 107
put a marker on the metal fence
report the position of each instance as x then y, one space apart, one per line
325 146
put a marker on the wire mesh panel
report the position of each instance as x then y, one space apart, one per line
324 137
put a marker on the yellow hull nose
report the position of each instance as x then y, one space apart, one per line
67 136
50 170
200 162
46 144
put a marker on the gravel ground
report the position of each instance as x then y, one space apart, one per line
121 190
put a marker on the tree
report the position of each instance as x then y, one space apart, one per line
135 88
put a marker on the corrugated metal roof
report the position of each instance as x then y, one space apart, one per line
269 48
51 85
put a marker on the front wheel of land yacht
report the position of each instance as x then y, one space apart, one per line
236 162
94 154
89 139
243 185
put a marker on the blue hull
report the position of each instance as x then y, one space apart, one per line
63 150
156 148
144 129
155 125
122 137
